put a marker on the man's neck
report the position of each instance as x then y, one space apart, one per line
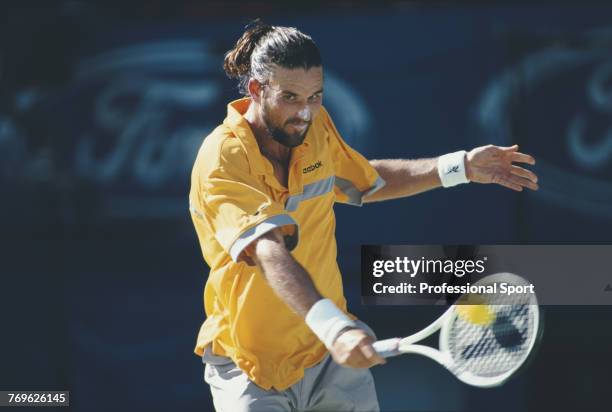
269 147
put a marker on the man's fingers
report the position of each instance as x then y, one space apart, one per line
510 148
527 174
371 355
354 349
507 182
524 182
522 158
517 183
352 358
357 359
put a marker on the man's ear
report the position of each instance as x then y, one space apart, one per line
255 89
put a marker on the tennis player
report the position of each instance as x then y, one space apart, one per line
277 335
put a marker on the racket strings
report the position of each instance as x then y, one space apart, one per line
493 349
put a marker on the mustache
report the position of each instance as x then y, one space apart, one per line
298 122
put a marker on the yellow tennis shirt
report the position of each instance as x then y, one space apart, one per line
234 199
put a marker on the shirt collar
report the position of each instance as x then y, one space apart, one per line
241 129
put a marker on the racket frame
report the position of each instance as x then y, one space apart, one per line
408 345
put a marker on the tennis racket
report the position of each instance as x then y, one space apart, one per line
484 344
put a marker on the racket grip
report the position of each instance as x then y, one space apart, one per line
387 348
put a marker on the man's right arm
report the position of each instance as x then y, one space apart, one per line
284 274
352 346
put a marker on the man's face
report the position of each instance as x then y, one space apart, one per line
289 102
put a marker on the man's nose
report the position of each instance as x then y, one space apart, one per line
305 114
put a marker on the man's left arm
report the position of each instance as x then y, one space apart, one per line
485 164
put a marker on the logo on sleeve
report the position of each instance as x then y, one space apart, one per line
312 167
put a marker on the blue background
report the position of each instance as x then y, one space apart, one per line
102 111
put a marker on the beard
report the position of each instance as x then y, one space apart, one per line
287 139
281 136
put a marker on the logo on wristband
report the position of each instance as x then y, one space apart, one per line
452 169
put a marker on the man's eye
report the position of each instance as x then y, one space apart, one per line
289 98
314 97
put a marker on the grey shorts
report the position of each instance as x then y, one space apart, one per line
326 386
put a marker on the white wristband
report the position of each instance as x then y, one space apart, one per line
451 169
326 321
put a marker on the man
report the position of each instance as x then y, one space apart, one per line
263 188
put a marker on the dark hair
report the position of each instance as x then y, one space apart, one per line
262 46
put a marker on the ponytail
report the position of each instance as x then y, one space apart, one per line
237 61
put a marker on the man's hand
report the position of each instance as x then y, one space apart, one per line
493 164
353 348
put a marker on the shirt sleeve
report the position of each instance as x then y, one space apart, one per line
239 209
355 176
